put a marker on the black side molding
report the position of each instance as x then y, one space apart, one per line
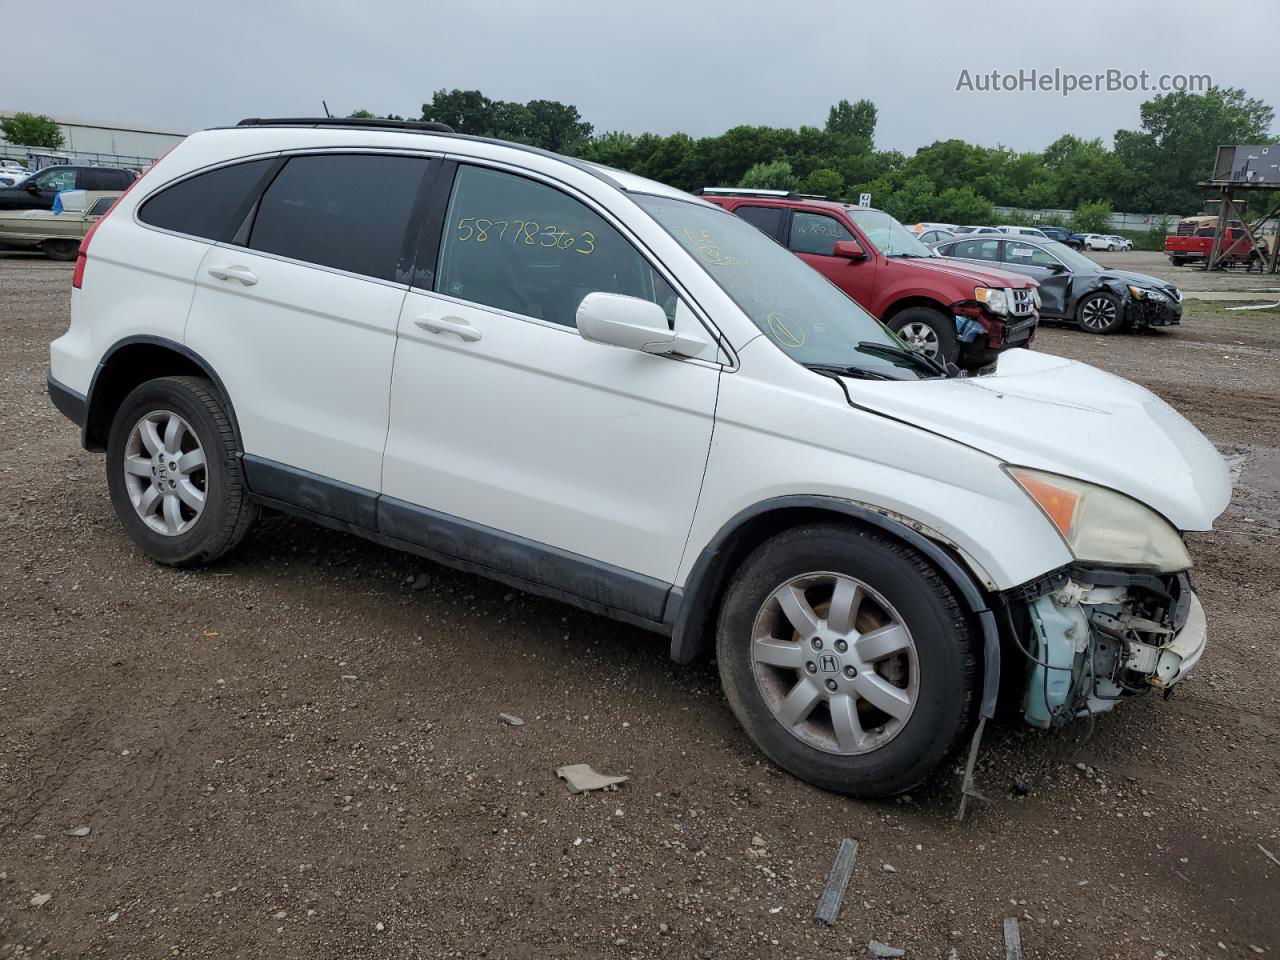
462 544
70 404
686 606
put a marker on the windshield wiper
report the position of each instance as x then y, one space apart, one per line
842 370
902 353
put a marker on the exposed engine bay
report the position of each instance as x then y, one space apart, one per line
1095 637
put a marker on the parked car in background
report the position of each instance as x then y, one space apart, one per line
1097 241
1022 231
600 389
920 229
1122 243
1073 287
56 232
971 229
931 237
11 172
1062 235
1193 242
37 191
961 315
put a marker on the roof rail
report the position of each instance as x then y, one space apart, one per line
746 192
422 126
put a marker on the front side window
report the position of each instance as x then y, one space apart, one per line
799 310
347 211
55 181
1028 254
816 233
525 247
100 206
204 205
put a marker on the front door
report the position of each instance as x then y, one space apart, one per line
514 443
813 238
1042 266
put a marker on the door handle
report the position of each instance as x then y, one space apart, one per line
455 325
234 272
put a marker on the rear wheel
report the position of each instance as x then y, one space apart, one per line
1100 313
60 249
174 472
847 659
928 332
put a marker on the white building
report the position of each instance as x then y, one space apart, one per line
129 144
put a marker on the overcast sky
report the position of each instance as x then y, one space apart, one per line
635 65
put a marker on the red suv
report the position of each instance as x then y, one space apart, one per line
944 308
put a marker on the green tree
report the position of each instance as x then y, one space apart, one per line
961 205
824 182
1175 148
1092 217
32 130
555 126
367 115
467 111
853 120
770 176
912 202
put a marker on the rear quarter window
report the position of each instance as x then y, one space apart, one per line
205 205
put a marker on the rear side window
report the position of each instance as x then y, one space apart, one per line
100 206
104 179
205 205
816 233
768 219
347 211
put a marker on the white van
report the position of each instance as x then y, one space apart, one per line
601 389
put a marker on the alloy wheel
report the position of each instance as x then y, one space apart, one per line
921 338
1098 313
164 473
835 663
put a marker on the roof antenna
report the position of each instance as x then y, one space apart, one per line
326 109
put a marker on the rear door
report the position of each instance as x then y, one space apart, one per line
771 221
514 443
298 311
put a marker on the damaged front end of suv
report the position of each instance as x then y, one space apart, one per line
1120 622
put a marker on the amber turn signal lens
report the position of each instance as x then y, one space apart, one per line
1058 504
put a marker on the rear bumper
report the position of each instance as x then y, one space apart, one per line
70 404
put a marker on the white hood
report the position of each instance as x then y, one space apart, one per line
1070 418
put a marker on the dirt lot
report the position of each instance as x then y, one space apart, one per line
297 754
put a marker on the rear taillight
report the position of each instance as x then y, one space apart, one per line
82 256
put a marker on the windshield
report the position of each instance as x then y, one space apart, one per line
889 236
1078 262
806 316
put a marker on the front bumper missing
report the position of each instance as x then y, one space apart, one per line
1091 645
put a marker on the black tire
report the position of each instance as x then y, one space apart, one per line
227 513
946 648
1178 261
60 249
942 326
1100 302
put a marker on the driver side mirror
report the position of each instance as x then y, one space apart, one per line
849 250
633 324
1057 268
32 188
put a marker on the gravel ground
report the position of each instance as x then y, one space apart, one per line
298 754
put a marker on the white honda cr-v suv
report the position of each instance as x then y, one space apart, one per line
601 389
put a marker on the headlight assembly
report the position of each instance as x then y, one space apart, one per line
1140 293
1102 526
996 300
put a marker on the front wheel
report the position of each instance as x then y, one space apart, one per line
174 472
1100 313
847 659
928 332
